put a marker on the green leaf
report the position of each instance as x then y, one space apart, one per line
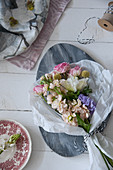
1 151
103 156
72 95
44 98
13 138
44 82
57 90
110 161
106 158
85 125
86 90
78 92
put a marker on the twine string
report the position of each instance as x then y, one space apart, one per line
109 10
98 129
92 39
87 40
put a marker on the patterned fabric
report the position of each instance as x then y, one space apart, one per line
20 24
28 59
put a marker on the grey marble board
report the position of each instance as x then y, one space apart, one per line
61 143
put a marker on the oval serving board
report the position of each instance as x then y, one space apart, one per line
61 143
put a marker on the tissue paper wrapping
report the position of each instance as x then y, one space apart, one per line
101 83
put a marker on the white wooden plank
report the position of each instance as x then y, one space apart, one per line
52 161
100 52
89 4
7 67
26 119
72 23
14 91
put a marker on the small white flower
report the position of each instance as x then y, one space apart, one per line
59 97
84 106
56 83
87 115
64 90
47 76
42 78
67 84
55 104
74 115
74 84
78 103
60 108
51 86
49 99
64 104
69 118
45 87
82 83
53 93
74 102
45 93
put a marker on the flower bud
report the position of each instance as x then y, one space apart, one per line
85 73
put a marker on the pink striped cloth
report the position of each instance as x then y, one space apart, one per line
28 59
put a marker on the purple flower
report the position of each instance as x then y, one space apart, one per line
87 101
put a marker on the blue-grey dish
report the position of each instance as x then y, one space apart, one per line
61 143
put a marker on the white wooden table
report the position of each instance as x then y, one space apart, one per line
16 82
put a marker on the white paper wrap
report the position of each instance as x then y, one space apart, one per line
101 81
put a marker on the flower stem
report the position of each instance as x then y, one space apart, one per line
56 89
103 156
1 151
44 98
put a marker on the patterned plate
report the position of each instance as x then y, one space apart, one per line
17 156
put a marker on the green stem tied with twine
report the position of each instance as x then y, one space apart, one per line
86 126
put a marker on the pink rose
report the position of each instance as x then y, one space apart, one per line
38 89
62 68
76 71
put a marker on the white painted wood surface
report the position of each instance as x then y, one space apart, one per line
16 82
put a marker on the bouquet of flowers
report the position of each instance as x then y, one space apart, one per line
66 90
81 94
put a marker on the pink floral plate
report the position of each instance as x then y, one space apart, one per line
17 156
